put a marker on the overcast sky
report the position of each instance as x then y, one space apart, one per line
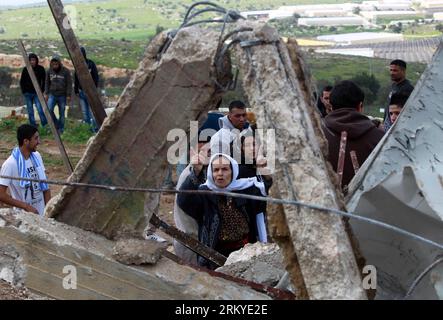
17 2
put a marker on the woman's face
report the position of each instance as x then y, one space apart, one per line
221 172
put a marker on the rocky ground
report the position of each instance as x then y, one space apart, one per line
9 292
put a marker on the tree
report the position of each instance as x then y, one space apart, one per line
5 78
159 29
439 27
369 84
356 10
396 27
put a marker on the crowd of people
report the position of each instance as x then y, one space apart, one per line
56 86
341 108
230 160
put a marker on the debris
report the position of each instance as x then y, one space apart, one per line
72 251
180 82
258 262
323 249
137 251
9 292
400 184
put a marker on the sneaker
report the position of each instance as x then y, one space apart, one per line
155 237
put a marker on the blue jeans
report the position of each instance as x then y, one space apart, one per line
88 117
61 102
30 99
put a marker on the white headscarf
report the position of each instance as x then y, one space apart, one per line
236 184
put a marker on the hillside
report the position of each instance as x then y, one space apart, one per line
116 19
116 33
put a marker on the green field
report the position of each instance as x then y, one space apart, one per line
116 33
116 19
328 69
112 53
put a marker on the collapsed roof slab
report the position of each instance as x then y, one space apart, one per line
322 246
401 183
46 256
131 147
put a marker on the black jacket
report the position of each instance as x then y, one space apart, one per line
204 209
26 83
94 74
363 136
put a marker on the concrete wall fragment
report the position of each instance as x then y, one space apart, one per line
163 94
322 246
401 184
46 247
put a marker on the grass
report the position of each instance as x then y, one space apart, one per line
421 31
114 53
76 133
332 68
130 19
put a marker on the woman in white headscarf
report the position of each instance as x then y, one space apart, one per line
226 224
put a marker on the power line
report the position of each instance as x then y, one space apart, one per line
239 195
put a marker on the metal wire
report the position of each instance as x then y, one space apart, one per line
229 16
201 12
239 195
208 3
421 276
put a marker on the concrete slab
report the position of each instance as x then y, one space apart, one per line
40 253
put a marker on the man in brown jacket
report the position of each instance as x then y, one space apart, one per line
362 135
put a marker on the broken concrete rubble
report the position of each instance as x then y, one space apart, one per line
127 149
45 248
10 292
401 184
322 246
258 262
138 251
183 82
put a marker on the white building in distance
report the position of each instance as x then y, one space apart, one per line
326 13
333 21
431 4
374 15
357 38
266 14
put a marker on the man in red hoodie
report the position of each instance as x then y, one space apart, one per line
362 135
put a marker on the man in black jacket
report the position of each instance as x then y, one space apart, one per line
29 92
88 117
400 85
362 135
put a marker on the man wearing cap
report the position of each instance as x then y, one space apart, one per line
58 87
400 85
29 92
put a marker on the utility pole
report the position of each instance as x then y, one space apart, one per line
46 110
71 43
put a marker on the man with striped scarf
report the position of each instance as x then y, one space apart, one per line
25 162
